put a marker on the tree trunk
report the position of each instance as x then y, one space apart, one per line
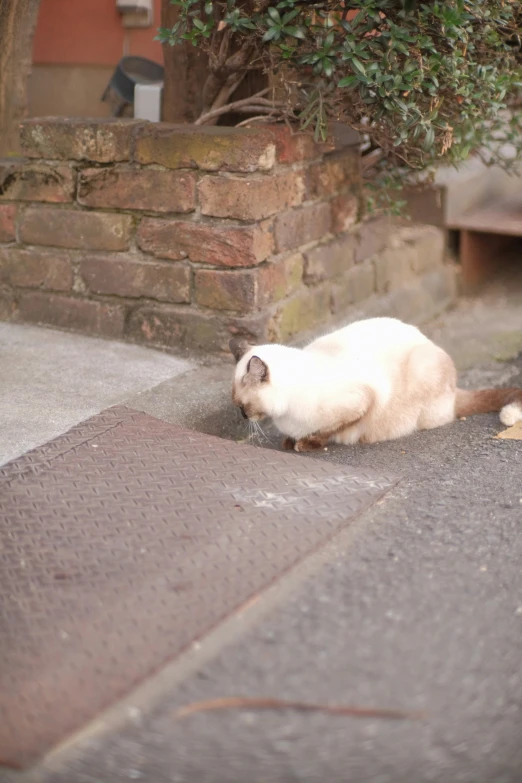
186 70
17 25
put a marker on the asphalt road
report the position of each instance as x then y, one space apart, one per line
417 606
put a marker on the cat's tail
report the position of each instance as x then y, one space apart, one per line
507 401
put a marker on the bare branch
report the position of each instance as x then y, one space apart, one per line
222 53
258 118
239 59
222 94
371 159
261 109
225 108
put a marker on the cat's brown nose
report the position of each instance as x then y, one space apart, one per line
243 413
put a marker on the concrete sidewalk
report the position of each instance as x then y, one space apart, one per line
417 605
51 380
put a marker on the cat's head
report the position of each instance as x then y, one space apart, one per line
255 390
251 378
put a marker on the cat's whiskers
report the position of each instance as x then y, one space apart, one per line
252 431
261 433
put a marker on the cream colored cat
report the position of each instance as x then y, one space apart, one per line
373 380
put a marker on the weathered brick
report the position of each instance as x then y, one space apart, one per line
7 222
82 315
373 237
171 325
334 173
428 203
180 326
7 305
22 181
250 198
152 190
99 140
307 308
279 278
410 303
393 267
221 290
159 238
253 327
75 229
345 209
297 227
329 259
207 243
356 285
421 299
133 278
48 269
292 146
208 148
221 148
341 136
426 245
441 285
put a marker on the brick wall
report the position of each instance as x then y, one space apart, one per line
182 237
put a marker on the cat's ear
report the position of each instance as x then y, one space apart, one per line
238 348
257 369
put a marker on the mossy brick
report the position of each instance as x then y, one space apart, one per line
29 181
223 290
74 228
305 309
97 140
207 148
48 269
221 148
126 276
150 190
219 244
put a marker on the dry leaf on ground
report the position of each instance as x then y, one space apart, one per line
512 433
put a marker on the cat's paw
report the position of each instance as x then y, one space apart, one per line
288 444
309 444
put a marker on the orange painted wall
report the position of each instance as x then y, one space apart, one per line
90 32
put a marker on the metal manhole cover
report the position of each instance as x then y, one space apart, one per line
128 538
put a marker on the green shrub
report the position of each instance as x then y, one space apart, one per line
425 82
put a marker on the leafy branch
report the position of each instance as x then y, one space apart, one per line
423 82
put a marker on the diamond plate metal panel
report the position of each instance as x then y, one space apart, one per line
128 538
